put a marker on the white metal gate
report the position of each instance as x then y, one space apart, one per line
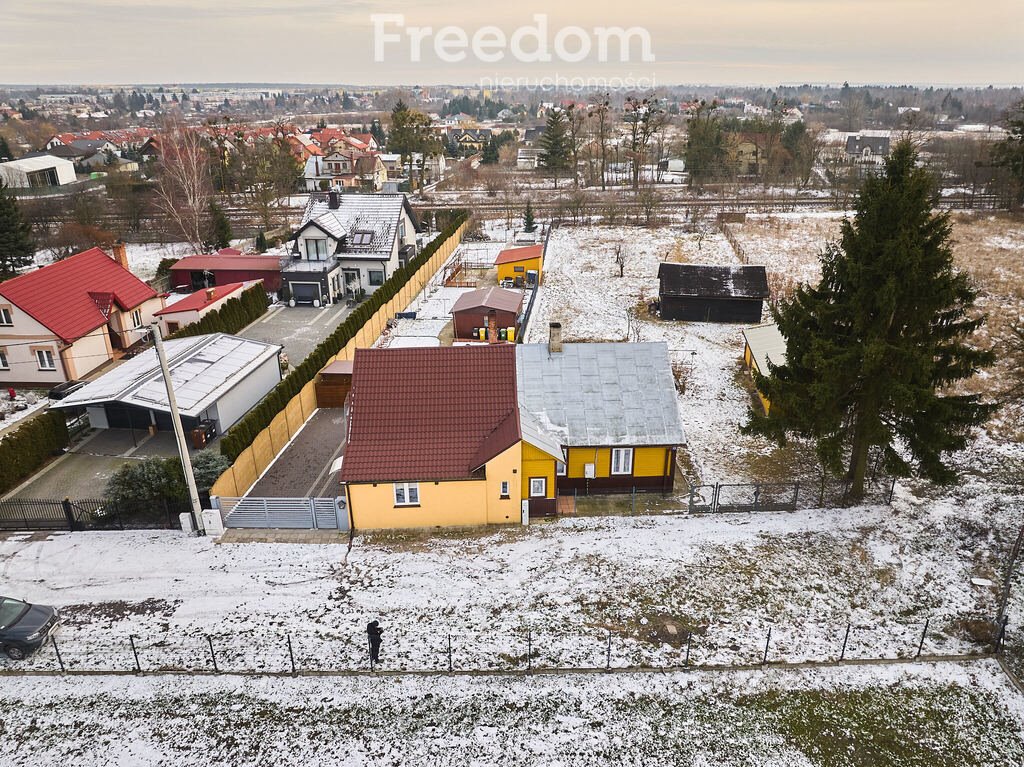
284 513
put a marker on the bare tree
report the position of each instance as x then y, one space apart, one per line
183 187
601 120
576 120
620 260
634 327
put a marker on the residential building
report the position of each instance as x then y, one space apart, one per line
194 307
867 150
701 293
217 378
528 158
349 244
65 320
36 172
226 268
763 346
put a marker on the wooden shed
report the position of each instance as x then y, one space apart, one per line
333 384
698 293
493 309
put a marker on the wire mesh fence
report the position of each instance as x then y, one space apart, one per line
718 645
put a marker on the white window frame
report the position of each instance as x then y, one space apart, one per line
408 492
6 320
362 238
505 491
561 469
5 364
45 359
319 249
542 484
137 318
622 461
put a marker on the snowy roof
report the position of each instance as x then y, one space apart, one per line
766 345
602 394
40 162
376 213
203 369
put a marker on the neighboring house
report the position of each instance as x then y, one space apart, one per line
469 140
763 344
483 315
493 434
528 158
65 320
348 244
746 153
698 293
868 150
532 135
434 438
351 169
217 378
613 409
521 266
225 268
36 172
196 306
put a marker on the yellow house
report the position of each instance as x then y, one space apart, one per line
434 438
523 266
610 406
763 344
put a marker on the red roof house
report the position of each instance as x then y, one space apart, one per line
197 305
199 272
75 312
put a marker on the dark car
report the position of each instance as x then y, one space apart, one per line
24 627
60 391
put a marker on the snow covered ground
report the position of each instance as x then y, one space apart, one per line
899 717
32 400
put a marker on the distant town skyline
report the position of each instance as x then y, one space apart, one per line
730 42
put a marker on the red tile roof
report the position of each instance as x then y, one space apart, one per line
511 255
489 298
244 263
201 299
430 414
73 297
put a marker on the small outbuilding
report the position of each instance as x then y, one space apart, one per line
522 267
763 346
698 293
487 315
194 307
37 172
225 268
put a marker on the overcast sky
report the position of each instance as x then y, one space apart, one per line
332 41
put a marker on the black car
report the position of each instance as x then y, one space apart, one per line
66 389
24 627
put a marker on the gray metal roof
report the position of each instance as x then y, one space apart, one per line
203 369
606 394
766 344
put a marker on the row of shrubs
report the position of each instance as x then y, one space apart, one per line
29 446
232 316
242 434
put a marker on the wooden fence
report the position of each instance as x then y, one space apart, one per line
255 459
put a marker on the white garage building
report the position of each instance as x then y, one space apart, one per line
217 378
36 172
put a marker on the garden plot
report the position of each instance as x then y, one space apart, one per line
901 717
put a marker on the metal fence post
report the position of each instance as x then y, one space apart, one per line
69 514
767 641
920 645
135 652
60 660
689 636
796 494
892 491
846 638
529 650
450 667
632 501
291 653
213 655
1001 636
821 493
608 652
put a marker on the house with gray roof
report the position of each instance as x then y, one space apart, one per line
870 150
347 245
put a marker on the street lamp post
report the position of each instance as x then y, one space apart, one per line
179 431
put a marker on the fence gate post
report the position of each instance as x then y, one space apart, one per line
312 511
69 514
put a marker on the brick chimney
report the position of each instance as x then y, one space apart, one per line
492 326
211 293
333 202
554 337
120 254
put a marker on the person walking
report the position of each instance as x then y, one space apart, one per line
373 634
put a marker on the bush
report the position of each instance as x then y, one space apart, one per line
154 479
242 434
29 446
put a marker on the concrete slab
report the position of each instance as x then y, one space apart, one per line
256 535
298 329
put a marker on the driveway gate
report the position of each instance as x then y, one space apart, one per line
284 513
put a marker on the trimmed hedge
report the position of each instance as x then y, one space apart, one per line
242 434
30 446
234 315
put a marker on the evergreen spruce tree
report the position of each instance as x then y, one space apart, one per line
555 147
261 242
1009 153
529 225
490 155
873 348
219 227
16 245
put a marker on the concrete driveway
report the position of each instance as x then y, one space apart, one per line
297 328
303 469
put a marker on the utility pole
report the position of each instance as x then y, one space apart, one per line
179 432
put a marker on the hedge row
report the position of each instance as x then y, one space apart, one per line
29 446
232 316
242 434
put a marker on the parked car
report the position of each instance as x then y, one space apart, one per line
24 627
62 390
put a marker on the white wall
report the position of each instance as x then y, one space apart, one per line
246 393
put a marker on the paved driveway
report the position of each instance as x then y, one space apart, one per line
297 328
303 468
